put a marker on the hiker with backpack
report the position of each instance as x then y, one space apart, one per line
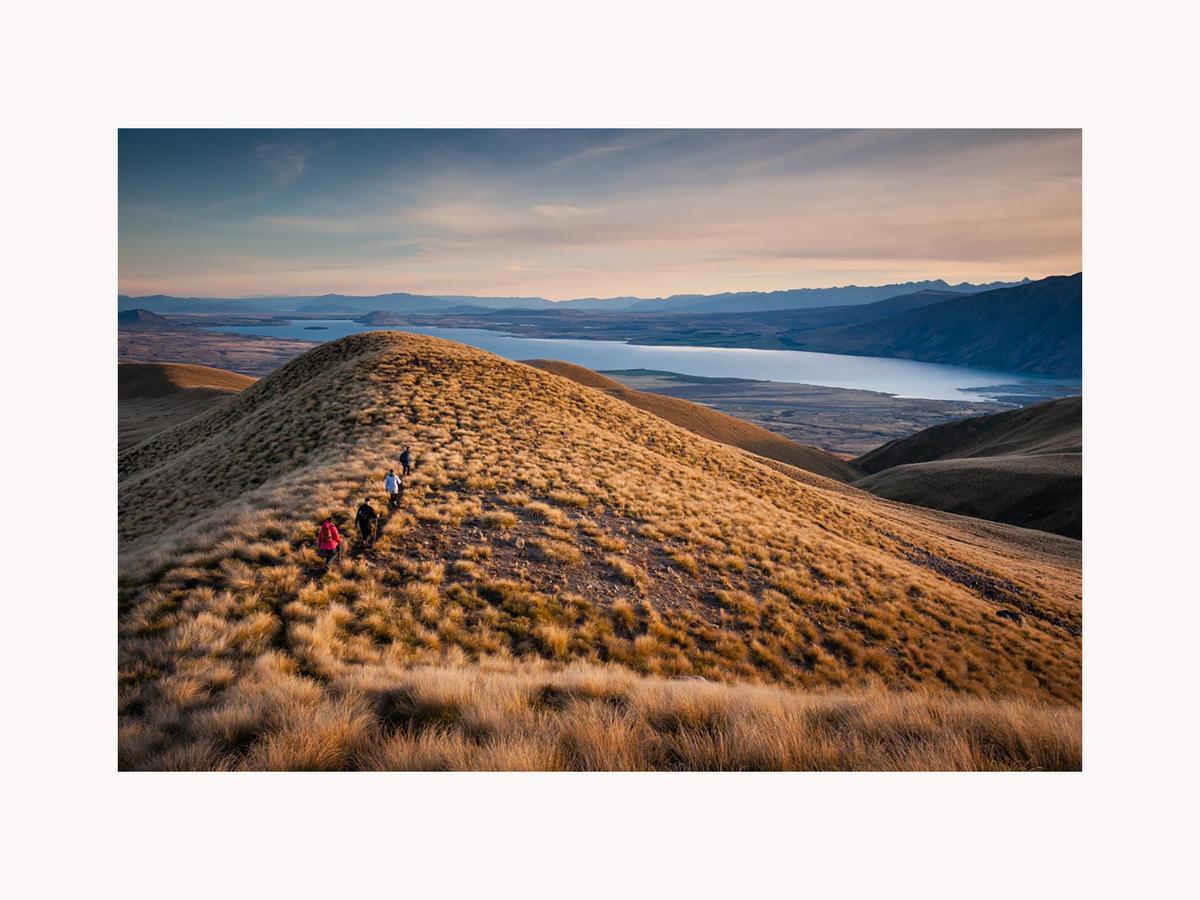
406 460
329 542
395 489
365 520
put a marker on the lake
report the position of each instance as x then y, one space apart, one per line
901 377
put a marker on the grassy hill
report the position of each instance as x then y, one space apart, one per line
709 423
1052 427
571 583
154 396
1044 492
1023 467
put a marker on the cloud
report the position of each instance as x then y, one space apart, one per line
562 211
234 201
285 163
590 152
679 212
634 141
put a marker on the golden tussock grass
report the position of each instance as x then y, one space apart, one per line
586 717
545 524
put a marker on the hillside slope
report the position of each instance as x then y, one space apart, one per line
1023 467
709 423
142 320
549 525
1052 427
1035 327
152 397
1043 492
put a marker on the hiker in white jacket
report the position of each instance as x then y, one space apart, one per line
395 488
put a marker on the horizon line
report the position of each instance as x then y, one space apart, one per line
1022 279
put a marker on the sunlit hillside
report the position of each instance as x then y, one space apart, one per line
571 583
152 397
710 423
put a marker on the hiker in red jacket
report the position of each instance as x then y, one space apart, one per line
329 542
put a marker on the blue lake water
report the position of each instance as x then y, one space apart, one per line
902 377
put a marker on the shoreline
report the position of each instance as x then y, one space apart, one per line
844 421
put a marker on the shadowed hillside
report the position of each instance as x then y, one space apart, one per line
1052 427
1035 327
1023 467
561 559
142 320
709 423
154 396
1044 492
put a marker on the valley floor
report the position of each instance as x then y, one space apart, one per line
245 354
841 421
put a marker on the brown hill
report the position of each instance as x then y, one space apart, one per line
142 320
709 423
561 556
1044 492
1023 467
154 396
1052 427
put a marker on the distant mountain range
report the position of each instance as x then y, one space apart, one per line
1032 327
804 298
742 301
1035 327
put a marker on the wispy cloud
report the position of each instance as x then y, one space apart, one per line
564 211
284 163
626 142
651 213
592 152
236 201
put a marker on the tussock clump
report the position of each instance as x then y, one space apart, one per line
611 543
558 551
569 498
545 513
498 518
625 570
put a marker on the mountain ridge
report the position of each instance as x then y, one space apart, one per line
413 303
1035 327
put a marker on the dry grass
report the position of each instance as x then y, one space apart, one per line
710 423
586 717
545 524
153 397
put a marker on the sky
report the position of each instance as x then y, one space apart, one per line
563 214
